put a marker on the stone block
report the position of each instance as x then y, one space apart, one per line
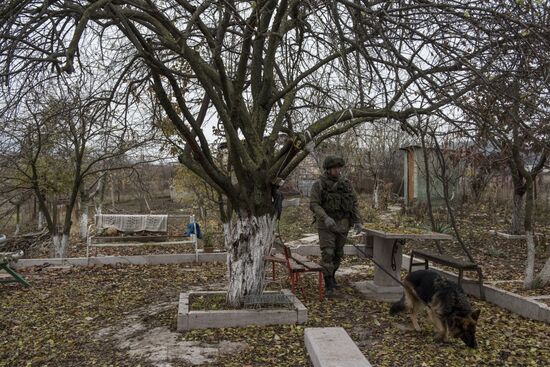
333 347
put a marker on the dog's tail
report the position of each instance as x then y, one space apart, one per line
398 306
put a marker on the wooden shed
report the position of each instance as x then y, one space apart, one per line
414 176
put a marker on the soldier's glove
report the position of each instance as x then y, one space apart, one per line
358 227
330 223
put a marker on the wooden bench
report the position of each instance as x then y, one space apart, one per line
5 259
295 265
333 347
460 265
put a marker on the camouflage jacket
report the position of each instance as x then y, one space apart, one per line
334 198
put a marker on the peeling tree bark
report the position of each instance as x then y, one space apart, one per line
60 244
84 212
376 194
40 223
247 241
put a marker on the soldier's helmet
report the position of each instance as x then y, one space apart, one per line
333 161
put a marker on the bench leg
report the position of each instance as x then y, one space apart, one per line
480 280
460 275
292 281
301 285
16 275
426 265
411 260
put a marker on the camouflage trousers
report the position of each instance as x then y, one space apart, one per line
332 249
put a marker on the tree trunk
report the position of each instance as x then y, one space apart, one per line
375 194
60 244
84 220
428 189
528 225
113 194
247 241
17 220
40 219
520 187
530 265
517 212
543 278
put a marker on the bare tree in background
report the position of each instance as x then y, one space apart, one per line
303 70
54 142
512 113
375 149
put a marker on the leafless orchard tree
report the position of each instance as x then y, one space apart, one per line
54 142
521 135
305 70
511 112
374 148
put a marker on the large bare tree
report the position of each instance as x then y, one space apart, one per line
272 75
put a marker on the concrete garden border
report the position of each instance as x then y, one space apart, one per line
190 320
508 236
159 259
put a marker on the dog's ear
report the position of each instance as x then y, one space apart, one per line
475 314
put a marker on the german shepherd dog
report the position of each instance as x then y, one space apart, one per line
448 307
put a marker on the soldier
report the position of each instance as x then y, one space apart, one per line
334 204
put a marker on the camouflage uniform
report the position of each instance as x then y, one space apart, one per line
335 198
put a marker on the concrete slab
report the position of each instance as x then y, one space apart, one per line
372 291
190 320
508 236
161 346
333 347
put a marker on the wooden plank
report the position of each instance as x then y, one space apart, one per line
135 238
276 259
410 236
445 260
282 259
129 244
295 266
306 262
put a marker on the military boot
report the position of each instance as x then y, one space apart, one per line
329 286
336 285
